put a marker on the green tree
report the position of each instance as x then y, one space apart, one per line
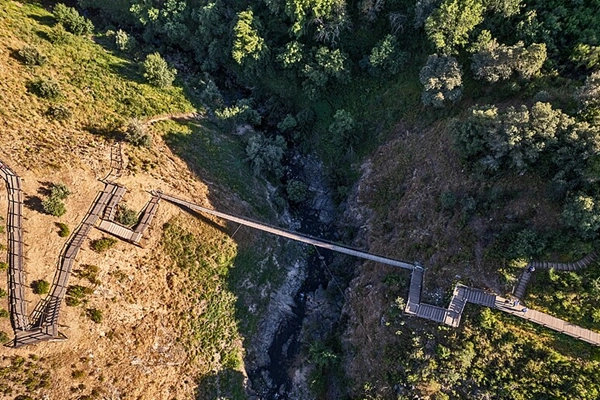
73 22
589 94
157 71
495 62
386 57
247 42
327 64
442 80
448 27
124 41
265 154
291 55
582 212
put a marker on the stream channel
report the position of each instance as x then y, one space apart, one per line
314 217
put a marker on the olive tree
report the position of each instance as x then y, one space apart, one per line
448 27
442 79
589 94
157 71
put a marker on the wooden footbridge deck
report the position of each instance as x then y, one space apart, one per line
287 234
43 322
14 226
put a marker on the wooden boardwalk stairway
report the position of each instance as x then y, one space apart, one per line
43 322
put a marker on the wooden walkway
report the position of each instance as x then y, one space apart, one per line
527 273
549 321
464 294
111 208
134 235
45 315
14 227
42 325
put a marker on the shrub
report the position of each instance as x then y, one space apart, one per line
73 22
442 79
59 35
136 134
265 154
3 337
3 266
3 293
4 313
59 191
157 71
64 230
54 206
447 201
78 374
30 55
103 244
126 215
59 112
95 315
40 286
297 191
76 294
386 57
89 272
45 88
124 41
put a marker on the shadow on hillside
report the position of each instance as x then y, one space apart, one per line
45 188
226 384
43 19
108 133
34 203
127 69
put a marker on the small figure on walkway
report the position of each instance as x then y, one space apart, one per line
524 310
515 302
531 269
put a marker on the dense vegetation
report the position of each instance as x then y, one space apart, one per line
514 82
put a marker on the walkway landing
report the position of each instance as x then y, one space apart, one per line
463 294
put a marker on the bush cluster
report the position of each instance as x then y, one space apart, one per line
73 22
90 273
103 244
59 112
157 71
135 133
53 205
40 286
126 215
46 88
77 294
30 55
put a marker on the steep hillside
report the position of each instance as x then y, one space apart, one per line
165 323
